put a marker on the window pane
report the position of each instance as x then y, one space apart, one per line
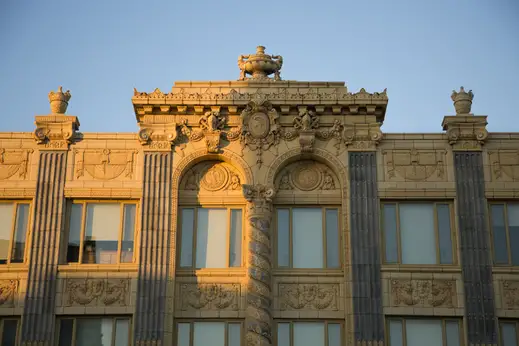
513 229
94 332
186 250
395 333
332 238
283 237
334 334
509 334
453 333
499 233
209 333
236 235
233 337
389 226
128 233
417 234
22 220
423 332
444 233
211 238
74 233
183 334
6 215
283 334
9 333
122 333
65 332
307 233
308 334
101 233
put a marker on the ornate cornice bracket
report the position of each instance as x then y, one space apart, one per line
157 137
55 132
362 136
466 132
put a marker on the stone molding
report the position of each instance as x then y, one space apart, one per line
210 296
424 293
99 292
466 132
8 292
14 161
308 296
17 192
415 165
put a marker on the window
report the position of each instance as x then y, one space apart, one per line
417 233
508 333
105 331
14 218
101 233
209 333
211 238
309 334
424 332
308 237
9 331
504 218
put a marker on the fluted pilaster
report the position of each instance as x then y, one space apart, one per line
154 244
259 214
38 316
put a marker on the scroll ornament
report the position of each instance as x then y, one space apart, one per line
107 292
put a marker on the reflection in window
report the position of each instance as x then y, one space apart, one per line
211 238
105 331
9 331
101 233
14 218
209 333
504 218
424 332
309 333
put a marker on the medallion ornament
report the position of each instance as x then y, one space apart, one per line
211 176
306 175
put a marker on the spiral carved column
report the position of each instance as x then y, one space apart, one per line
259 213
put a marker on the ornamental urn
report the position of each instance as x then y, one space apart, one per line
462 101
59 101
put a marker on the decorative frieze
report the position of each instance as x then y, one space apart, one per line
210 296
504 164
92 291
424 293
104 164
510 293
415 165
8 293
308 296
14 161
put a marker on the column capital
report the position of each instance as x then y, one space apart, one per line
259 198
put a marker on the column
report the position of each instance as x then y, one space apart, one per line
154 246
38 315
259 214
365 249
476 259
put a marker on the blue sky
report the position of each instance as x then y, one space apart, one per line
100 50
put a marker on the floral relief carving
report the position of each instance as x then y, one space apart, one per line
305 126
14 161
510 291
104 164
211 176
425 293
96 292
504 164
308 296
415 165
306 175
8 292
210 296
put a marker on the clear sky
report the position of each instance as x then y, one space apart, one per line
419 50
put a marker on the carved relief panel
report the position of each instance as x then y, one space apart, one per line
504 165
211 176
510 294
307 175
308 296
210 296
423 293
104 164
8 293
415 165
14 163
96 292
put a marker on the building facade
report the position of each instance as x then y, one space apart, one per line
259 212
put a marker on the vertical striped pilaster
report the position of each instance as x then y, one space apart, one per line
475 248
38 315
154 244
365 249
